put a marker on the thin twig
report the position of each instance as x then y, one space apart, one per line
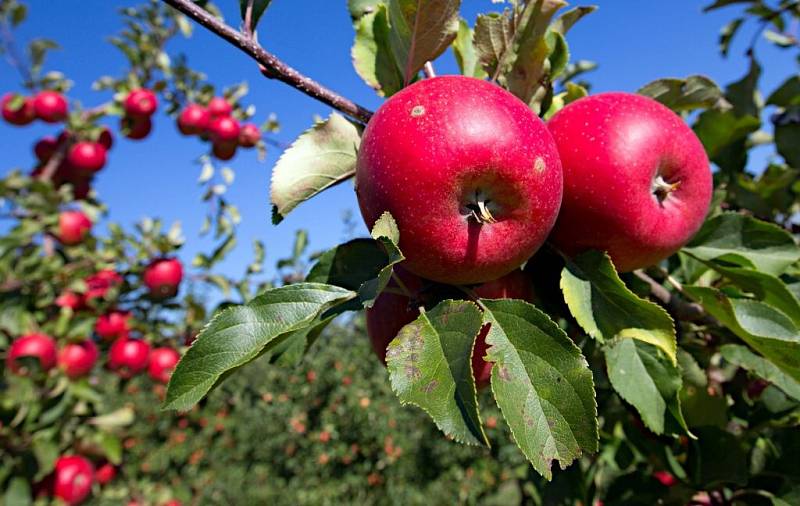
682 310
428 70
274 67
11 52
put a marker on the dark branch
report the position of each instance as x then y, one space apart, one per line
679 308
275 68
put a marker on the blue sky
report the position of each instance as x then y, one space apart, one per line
633 42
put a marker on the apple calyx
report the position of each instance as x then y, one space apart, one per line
661 188
478 210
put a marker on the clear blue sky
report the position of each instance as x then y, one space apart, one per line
634 43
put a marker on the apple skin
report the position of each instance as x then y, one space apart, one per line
113 325
193 120
218 107
163 276
41 346
162 363
70 299
249 135
612 147
105 473
78 359
224 129
50 106
224 150
24 115
73 226
446 143
99 283
73 478
45 148
86 157
140 103
128 357
106 138
136 128
391 312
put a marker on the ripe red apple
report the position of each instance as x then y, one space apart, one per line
105 473
470 174
193 120
218 107
224 150
21 115
45 148
99 283
113 325
163 276
86 157
128 357
393 311
637 181
73 477
140 103
50 106
70 300
39 346
224 129
665 478
162 362
249 135
73 226
77 359
136 128
106 138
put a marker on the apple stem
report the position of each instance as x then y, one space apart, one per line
661 188
401 285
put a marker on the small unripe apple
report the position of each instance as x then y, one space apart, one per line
38 346
106 138
163 276
50 106
99 283
468 171
637 181
162 362
45 148
140 103
73 478
224 150
87 157
218 107
249 135
105 473
22 115
73 226
113 325
128 357
193 119
136 128
224 129
78 359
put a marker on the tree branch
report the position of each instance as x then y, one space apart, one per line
275 68
682 310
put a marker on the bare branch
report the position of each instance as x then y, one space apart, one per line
680 309
272 66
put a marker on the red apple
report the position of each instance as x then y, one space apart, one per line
81 188
106 138
393 311
474 181
224 150
98 284
73 226
21 115
77 359
162 362
105 473
218 107
73 477
86 157
163 276
140 103
39 346
224 129
193 120
45 148
136 128
113 325
637 181
128 357
249 135
70 300
665 478
50 106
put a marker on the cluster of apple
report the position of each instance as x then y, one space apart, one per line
477 183
139 105
215 123
48 106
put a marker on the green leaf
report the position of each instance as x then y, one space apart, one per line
645 377
745 241
291 350
18 492
386 227
717 457
492 39
465 52
372 55
723 134
787 94
569 18
430 366
699 408
559 53
787 138
694 92
606 309
761 367
360 8
320 158
421 31
239 334
723 3
765 329
46 451
541 383
111 446
726 35
121 417
259 6
573 92
743 94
